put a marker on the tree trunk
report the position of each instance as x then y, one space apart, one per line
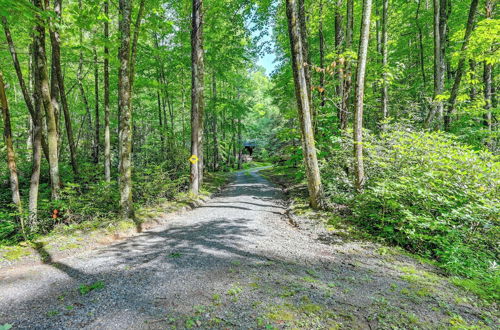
338 50
79 77
238 143
307 54
41 66
347 78
359 92
96 107
321 36
197 104
438 69
488 82
421 43
214 124
385 93
299 59
135 40
107 132
54 93
124 101
11 156
37 145
56 58
461 64
17 66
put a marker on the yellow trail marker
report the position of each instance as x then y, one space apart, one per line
193 159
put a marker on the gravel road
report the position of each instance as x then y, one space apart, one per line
234 262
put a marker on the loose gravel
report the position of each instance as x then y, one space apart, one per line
235 262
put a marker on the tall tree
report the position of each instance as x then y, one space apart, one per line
135 40
384 95
124 103
439 69
57 71
347 77
50 116
461 64
11 156
420 42
34 108
107 132
321 36
338 50
37 143
488 79
80 79
360 93
12 49
197 90
299 61
95 149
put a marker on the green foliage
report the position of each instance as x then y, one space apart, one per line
85 289
487 287
428 191
433 196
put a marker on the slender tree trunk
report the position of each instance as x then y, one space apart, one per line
438 69
37 145
124 96
299 59
360 92
473 89
321 36
197 102
17 66
107 131
385 92
347 78
461 64
41 65
238 143
27 98
11 156
160 115
214 124
307 55
56 58
79 77
420 43
488 83
54 93
96 107
135 40
338 50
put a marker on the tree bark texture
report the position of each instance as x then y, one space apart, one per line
197 90
360 92
299 59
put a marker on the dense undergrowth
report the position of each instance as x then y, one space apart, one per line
427 193
88 205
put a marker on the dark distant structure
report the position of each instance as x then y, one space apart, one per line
249 146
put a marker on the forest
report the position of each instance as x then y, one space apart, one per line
383 113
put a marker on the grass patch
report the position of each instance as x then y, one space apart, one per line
488 289
85 289
69 246
309 279
15 252
234 291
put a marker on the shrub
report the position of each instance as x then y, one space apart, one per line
433 196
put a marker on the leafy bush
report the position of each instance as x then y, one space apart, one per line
426 192
90 200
